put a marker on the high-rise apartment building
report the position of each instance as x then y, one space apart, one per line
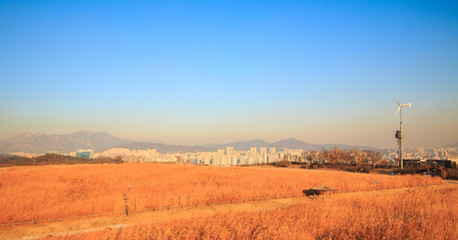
421 150
272 150
253 151
220 152
230 151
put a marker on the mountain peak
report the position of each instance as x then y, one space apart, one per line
87 132
26 134
293 139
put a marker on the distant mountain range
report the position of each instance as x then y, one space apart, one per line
453 145
165 148
239 146
41 143
290 143
66 143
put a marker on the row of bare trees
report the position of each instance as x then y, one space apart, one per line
336 156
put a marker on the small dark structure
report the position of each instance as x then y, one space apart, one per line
411 162
442 163
438 172
314 192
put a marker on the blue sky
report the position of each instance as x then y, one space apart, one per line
195 72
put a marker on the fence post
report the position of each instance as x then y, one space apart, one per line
127 209
126 198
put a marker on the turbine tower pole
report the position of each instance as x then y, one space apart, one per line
401 157
399 134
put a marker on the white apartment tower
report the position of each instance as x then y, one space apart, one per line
272 150
230 151
220 152
253 151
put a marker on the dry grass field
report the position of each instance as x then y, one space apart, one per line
417 213
47 192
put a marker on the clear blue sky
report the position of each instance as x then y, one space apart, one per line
195 72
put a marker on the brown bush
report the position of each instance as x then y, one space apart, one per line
283 163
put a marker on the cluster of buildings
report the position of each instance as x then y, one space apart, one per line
421 153
445 157
255 156
262 155
222 157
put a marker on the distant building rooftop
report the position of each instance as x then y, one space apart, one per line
87 154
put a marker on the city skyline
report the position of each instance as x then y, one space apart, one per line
197 73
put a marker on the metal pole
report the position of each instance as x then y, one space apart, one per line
126 198
400 145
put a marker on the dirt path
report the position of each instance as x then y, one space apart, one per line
39 231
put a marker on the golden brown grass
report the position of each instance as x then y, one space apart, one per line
46 192
420 214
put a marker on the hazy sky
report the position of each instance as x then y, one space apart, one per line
195 72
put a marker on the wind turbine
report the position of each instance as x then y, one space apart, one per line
399 132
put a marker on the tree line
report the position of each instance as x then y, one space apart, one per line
338 156
51 159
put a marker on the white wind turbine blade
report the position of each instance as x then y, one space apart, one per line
397 101
397 111
410 104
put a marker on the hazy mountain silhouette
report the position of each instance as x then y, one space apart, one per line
239 145
453 145
165 148
64 143
290 143
294 143
100 141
